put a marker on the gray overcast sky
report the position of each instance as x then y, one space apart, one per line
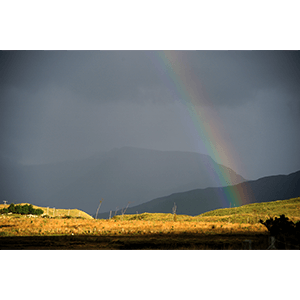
58 105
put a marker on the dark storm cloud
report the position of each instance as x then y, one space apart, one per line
229 77
59 86
234 77
94 75
264 135
57 105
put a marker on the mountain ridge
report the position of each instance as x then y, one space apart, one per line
119 176
197 201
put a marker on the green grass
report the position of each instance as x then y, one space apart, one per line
253 212
250 213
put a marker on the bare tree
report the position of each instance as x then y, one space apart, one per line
116 211
98 208
174 212
124 210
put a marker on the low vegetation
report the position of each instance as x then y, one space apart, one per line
219 223
21 209
48 212
252 213
284 231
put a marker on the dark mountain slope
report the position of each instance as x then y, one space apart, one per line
121 176
198 201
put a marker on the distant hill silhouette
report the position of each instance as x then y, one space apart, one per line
118 176
198 201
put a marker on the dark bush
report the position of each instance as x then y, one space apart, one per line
285 232
38 212
4 211
281 225
11 208
18 209
25 209
22 210
66 217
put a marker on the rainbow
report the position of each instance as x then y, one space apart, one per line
186 86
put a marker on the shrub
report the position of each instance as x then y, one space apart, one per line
278 226
11 208
66 217
38 212
284 230
18 209
25 209
4 211
22 210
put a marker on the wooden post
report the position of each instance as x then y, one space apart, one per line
110 215
53 211
48 211
69 212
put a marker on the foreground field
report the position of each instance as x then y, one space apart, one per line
44 233
219 229
141 242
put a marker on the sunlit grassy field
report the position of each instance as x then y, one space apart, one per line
25 226
242 220
76 233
